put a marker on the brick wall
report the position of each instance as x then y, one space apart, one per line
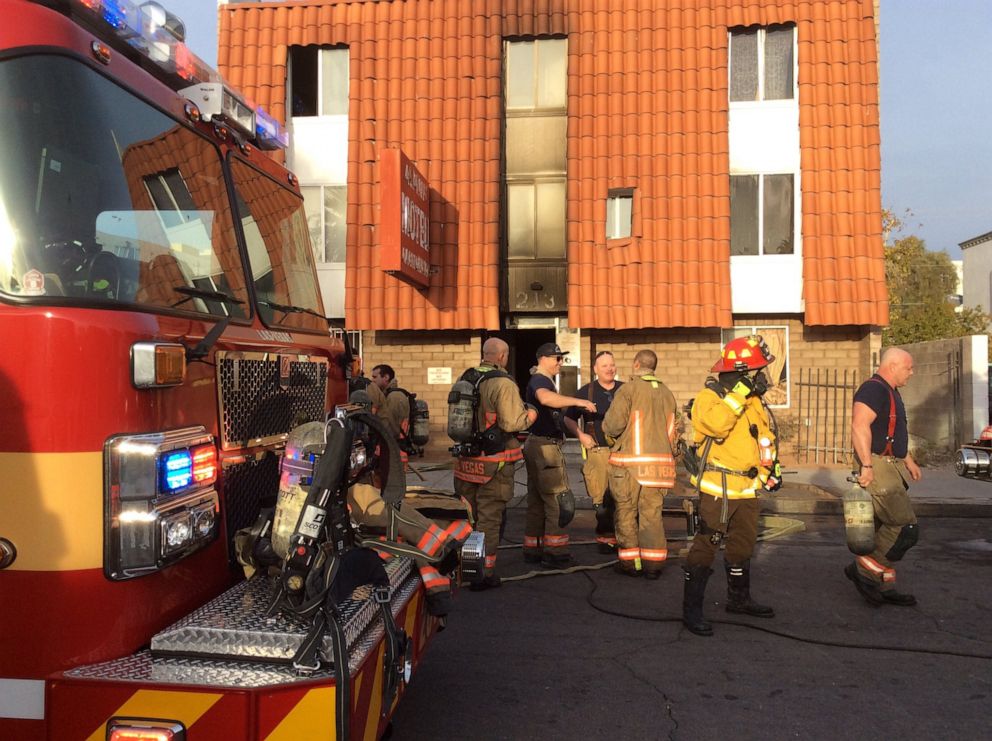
411 354
685 358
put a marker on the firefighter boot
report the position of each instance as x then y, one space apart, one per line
739 592
692 600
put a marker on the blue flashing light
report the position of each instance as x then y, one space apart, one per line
176 470
115 13
268 132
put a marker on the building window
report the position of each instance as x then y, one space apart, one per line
762 63
327 210
318 81
536 74
619 213
536 93
777 372
762 214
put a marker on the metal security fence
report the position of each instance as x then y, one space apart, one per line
824 400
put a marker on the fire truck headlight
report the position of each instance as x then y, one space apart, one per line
176 533
204 518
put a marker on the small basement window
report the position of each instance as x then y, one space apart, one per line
619 213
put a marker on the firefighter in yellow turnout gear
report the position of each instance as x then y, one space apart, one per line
641 421
732 430
486 479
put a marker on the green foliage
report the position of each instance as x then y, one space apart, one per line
920 284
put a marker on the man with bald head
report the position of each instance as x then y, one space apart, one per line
485 478
881 445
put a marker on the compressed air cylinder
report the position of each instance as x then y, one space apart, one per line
859 521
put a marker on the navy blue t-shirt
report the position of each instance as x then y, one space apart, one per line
874 393
602 399
546 424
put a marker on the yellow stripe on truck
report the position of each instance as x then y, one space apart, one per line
186 707
53 498
311 717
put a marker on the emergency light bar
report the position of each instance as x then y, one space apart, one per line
158 35
159 501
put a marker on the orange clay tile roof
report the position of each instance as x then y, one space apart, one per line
647 107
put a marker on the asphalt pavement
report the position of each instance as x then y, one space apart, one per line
599 655
594 654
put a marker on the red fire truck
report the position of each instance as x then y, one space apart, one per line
164 333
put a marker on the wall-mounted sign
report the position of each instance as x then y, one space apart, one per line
404 225
439 376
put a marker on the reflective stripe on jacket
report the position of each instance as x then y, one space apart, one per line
642 419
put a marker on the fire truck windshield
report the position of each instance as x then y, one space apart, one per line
106 200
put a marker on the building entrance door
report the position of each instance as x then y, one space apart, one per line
523 351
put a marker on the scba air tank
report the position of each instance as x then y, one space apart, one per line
859 520
303 444
420 433
461 411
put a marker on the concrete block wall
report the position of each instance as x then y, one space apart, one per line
411 354
686 356
947 397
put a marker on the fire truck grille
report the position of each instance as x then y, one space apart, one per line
248 487
264 395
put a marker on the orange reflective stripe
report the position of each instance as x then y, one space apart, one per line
671 428
637 431
458 530
869 563
532 541
432 578
490 561
606 540
490 418
658 483
626 459
652 554
430 542
628 554
555 541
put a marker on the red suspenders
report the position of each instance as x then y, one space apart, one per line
890 434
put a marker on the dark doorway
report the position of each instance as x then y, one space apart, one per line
523 351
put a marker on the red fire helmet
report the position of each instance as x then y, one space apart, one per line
743 354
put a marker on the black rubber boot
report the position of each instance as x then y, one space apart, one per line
692 600
739 592
868 590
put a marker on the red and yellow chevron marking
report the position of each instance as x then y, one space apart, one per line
274 713
186 707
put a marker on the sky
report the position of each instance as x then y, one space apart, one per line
936 107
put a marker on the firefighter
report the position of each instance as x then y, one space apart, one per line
881 444
642 422
486 480
394 409
595 448
550 503
733 429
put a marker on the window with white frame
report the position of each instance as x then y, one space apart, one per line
619 213
777 372
318 81
327 211
762 63
762 214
